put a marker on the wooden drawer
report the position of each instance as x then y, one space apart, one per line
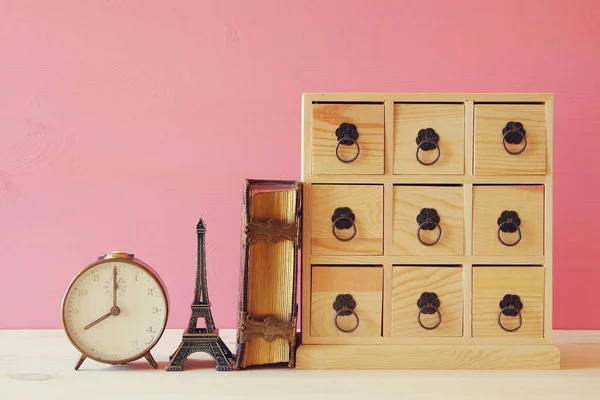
356 212
490 155
490 204
414 288
346 301
409 216
491 284
362 152
412 121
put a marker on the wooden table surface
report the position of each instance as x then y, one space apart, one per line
39 365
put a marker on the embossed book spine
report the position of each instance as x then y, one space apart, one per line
268 310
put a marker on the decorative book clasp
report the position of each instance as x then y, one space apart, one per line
268 329
273 231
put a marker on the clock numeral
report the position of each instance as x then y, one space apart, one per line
75 311
155 310
134 343
96 278
149 340
136 277
83 292
150 330
149 292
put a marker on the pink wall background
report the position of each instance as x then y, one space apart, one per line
122 121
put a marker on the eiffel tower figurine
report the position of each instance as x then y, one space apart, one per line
196 339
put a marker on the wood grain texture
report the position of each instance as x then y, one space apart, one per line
490 201
431 357
369 120
429 340
491 283
365 286
409 282
306 243
428 179
388 209
469 132
271 277
365 201
444 260
408 97
490 156
549 221
389 137
388 299
408 202
448 122
468 266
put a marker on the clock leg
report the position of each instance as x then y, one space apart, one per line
151 360
81 360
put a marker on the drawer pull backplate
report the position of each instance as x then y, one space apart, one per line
514 133
347 135
428 220
429 303
427 140
343 218
509 222
344 305
510 306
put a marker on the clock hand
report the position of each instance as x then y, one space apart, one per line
102 318
114 286
113 311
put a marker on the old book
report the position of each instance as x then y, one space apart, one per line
268 308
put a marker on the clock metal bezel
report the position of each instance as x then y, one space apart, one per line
136 263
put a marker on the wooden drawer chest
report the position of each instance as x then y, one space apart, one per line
427 231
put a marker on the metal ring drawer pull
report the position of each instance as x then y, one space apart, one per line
427 140
514 133
344 305
343 218
429 303
510 306
509 222
428 220
347 135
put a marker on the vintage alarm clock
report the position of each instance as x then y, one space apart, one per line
115 310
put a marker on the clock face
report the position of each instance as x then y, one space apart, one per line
115 325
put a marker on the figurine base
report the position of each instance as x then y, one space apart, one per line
205 343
